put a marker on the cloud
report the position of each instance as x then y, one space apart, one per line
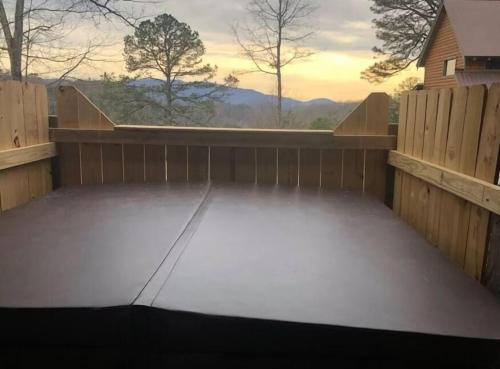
343 41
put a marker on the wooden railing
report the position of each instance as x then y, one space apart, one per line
93 152
447 164
447 156
25 170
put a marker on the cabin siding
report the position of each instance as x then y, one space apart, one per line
443 47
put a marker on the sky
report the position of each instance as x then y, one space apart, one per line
342 45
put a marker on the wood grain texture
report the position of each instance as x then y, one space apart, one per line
230 138
418 191
25 172
25 155
467 164
486 170
377 114
67 108
451 214
177 170
112 163
444 46
479 192
354 123
198 164
438 157
406 181
266 166
14 187
14 182
75 110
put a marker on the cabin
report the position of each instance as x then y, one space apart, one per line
463 47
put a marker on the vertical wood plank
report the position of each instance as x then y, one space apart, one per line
32 138
438 157
222 164
450 205
353 170
467 165
14 187
42 113
88 116
14 182
155 161
429 191
133 163
266 166
90 154
418 190
408 149
112 163
42 118
403 116
430 124
244 164
486 170
310 168
398 178
288 167
331 169
69 164
177 163
377 114
67 107
376 173
198 164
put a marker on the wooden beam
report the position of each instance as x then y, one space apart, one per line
24 155
223 138
476 191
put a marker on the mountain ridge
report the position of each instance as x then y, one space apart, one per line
251 97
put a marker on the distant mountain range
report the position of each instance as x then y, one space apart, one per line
245 96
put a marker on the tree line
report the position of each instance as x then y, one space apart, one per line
170 53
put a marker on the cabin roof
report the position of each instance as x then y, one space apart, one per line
475 24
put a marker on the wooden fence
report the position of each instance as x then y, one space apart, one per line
25 169
447 169
93 150
447 156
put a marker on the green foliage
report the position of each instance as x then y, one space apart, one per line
322 123
403 27
164 46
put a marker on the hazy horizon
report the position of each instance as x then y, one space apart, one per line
342 48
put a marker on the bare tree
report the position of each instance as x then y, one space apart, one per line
276 37
34 31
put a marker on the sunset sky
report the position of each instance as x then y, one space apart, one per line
342 45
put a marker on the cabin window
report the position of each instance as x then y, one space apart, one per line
449 67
